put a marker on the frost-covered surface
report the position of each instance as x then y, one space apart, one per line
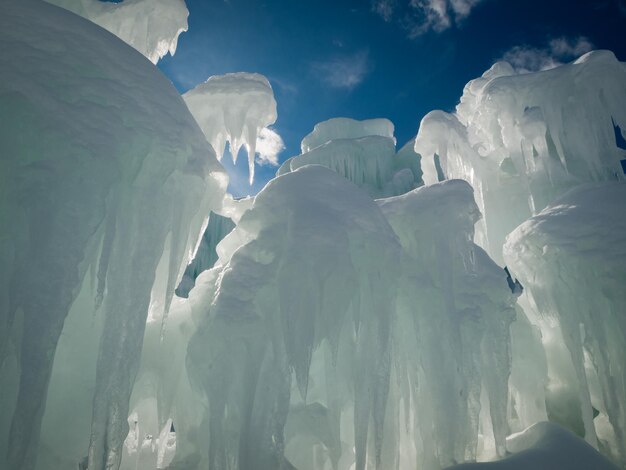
150 26
546 446
571 258
346 128
523 139
233 108
364 152
103 171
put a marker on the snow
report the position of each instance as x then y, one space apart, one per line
107 183
545 446
150 26
235 108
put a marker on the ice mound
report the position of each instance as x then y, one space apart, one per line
522 140
150 26
571 258
233 108
364 152
346 128
107 175
454 313
546 446
320 334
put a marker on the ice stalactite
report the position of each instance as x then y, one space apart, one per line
250 349
111 175
343 338
523 139
571 257
364 152
453 340
233 108
150 26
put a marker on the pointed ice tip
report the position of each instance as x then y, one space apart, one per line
251 154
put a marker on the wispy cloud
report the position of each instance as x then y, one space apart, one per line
268 146
345 71
384 8
557 52
423 16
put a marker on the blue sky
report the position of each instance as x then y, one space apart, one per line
397 59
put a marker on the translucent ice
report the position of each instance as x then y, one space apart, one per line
364 152
150 26
327 336
233 108
571 258
346 128
108 176
523 139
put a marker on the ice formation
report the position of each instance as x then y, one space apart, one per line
546 446
346 128
206 255
518 138
150 26
107 183
364 152
571 258
357 319
344 318
233 108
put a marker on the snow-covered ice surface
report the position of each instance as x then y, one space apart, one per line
546 446
346 128
347 317
150 26
233 108
523 139
106 184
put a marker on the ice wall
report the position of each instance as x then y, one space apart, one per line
233 108
337 332
150 26
523 139
106 174
364 152
571 258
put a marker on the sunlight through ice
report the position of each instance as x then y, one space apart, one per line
235 107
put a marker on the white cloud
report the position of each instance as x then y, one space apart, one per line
345 71
268 145
423 16
557 52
